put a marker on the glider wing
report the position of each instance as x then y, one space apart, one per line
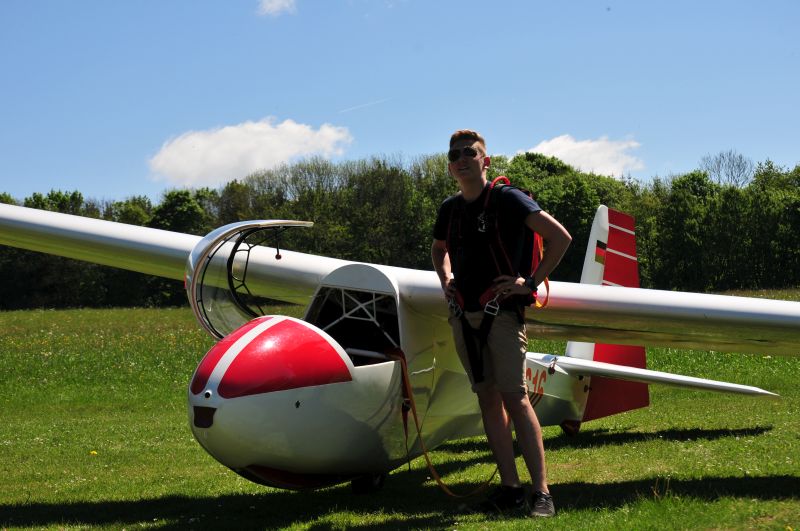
580 312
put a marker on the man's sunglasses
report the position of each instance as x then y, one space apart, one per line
455 153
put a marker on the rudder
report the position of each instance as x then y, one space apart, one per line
611 261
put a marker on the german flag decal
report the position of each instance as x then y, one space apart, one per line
600 252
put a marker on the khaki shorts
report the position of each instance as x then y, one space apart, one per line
503 356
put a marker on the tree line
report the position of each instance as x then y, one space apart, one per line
730 224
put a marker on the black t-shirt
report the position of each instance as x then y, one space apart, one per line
471 259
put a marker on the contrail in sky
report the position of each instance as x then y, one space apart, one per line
370 104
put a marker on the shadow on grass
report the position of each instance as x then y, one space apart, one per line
402 500
576 496
605 437
405 503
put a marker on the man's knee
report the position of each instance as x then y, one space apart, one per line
489 400
515 402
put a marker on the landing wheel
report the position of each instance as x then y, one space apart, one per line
571 427
368 484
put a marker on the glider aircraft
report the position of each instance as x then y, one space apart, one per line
376 338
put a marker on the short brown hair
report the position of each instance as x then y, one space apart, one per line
468 134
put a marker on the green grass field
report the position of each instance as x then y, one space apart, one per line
94 434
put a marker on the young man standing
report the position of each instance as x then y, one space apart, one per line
471 273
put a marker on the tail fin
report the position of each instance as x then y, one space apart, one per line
611 260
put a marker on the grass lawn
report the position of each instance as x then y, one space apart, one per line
94 434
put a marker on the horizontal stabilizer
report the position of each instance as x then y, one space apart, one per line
577 367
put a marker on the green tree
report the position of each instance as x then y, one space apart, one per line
235 203
727 239
770 176
7 199
136 210
775 226
526 168
646 204
500 165
57 201
382 226
180 211
683 228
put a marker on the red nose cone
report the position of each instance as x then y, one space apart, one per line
213 356
286 354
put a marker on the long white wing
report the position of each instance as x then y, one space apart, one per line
152 251
575 311
631 316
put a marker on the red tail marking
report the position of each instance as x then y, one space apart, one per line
621 219
609 396
621 241
621 271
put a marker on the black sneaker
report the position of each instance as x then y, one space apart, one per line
542 505
504 499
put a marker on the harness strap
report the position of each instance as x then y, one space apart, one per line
538 304
398 355
475 342
494 198
537 240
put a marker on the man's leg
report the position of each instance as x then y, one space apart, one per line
498 433
529 437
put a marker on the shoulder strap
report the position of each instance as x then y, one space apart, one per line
453 223
491 206
492 196
501 258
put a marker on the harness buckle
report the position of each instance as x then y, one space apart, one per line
492 307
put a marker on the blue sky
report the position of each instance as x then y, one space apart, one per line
116 98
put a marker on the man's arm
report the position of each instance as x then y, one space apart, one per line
556 241
441 263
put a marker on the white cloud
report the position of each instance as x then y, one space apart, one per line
601 156
215 156
274 8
